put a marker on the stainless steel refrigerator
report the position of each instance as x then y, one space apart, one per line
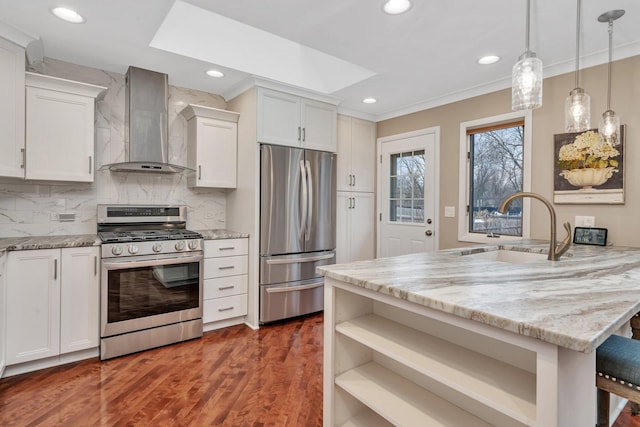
297 229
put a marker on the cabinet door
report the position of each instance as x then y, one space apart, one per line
363 155
60 136
33 305
79 299
216 153
278 118
343 203
362 227
343 170
3 318
11 109
319 125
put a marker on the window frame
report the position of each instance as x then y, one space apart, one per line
464 174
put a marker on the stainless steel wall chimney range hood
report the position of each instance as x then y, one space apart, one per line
146 124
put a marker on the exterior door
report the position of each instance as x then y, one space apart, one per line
407 192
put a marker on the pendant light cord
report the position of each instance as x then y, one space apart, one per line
610 59
578 46
527 26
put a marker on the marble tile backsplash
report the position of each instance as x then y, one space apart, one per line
31 208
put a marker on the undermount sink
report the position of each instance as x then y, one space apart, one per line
506 255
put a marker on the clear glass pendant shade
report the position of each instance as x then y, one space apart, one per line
577 111
609 128
526 84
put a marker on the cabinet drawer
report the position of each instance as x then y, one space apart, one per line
224 308
225 286
225 247
225 266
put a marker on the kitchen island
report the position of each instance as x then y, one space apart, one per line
458 338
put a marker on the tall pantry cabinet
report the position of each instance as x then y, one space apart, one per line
355 219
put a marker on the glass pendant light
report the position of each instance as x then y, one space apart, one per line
526 77
577 106
609 125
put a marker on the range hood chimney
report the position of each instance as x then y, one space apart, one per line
146 124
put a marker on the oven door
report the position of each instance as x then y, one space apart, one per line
143 292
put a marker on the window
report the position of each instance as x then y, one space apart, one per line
406 192
495 157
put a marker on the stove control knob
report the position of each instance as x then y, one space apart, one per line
193 245
116 250
133 249
157 247
180 246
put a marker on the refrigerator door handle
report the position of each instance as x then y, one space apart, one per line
294 288
310 204
300 260
305 200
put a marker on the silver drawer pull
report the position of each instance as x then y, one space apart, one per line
224 288
228 248
226 308
228 267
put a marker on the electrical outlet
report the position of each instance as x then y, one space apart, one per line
585 221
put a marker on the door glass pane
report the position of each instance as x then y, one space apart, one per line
406 181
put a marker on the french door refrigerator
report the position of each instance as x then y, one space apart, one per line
297 229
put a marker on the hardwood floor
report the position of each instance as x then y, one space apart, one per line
232 377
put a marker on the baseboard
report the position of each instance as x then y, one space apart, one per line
49 362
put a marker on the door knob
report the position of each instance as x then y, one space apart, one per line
428 233
429 221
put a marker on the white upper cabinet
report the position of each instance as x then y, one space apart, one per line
11 109
212 146
59 129
356 155
285 119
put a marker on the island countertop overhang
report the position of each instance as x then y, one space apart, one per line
576 302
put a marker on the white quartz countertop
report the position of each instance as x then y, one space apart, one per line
576 302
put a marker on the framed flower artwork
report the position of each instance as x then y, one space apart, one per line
588 170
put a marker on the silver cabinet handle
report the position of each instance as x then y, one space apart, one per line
95 265
354 203
227 267
90 164
304 134
226 308
227 248
23 158
199 171
224 288
354 180
299 128
55 269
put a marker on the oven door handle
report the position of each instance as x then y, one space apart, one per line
124 263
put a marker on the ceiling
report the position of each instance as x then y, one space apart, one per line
346 49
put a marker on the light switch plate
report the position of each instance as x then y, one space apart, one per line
450 211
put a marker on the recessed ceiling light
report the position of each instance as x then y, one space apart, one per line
396 7
68 15
369 100
489 59
215 73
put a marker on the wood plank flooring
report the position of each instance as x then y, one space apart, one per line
232 377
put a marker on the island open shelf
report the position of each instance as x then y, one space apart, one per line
409 365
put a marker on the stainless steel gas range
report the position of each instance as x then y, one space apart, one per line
151 283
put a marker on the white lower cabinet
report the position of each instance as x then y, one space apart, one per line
52 302
3 311
355 226
225 280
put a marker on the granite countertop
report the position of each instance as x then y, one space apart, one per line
576 302
47 242
221 234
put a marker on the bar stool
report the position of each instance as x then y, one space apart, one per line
617 372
